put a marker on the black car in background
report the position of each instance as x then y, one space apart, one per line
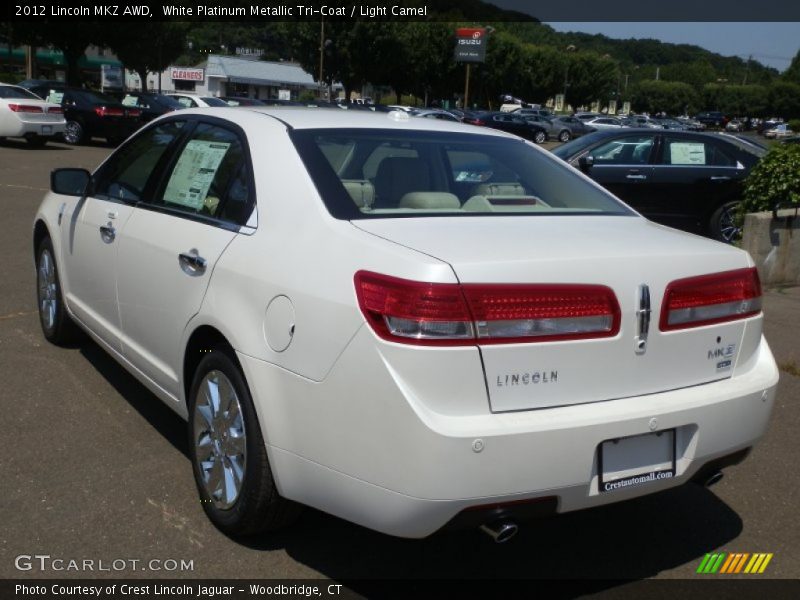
687 180
712 118
507 122
150 104
91 114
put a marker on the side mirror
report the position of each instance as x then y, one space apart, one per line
585 163
70 182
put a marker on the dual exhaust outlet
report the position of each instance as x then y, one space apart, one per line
500 531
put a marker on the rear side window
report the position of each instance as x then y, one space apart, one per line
125 176
209 177
689 152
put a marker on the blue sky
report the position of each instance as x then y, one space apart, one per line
773 44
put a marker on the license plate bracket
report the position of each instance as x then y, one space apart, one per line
636 460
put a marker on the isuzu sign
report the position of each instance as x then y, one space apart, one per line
183 74
470 44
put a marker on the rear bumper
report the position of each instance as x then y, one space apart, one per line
363 445
27 128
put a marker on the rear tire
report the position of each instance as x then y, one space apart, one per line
564 136
723 226
57 326
74 133
229 457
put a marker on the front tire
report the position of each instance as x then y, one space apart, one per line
540 137
723 226
229 457
564 136
57 326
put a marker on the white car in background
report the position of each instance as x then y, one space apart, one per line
603 122
193 101
403 322
23 114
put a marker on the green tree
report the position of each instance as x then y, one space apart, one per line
792 74
165 42
72 40
784 99
673 97
591 77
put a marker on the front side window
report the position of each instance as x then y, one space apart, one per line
125 175
364 174
628 150
209 177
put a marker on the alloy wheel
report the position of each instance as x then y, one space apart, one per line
220 440
48 289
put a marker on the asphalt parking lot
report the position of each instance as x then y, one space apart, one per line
93 466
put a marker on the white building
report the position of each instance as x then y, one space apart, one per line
231 76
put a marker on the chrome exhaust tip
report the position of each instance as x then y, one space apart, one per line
714 478
500 531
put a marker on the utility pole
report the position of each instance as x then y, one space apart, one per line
466 90
321 54
747 69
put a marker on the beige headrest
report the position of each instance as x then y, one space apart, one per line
429 200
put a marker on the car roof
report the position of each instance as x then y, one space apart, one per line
301 117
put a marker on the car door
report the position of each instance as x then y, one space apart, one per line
692 177
172 242
91 234
621 164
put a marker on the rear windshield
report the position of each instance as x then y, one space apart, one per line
214 101
373 173
16 93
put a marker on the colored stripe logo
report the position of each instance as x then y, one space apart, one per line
734 562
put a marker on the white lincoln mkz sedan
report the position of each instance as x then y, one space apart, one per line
406 323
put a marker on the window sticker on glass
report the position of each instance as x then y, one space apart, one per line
194 172
130 100
687 153
55 97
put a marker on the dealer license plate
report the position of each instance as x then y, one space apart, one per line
638 460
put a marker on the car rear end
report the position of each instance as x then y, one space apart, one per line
25 115
534 348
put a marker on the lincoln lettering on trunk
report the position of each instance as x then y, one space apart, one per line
527 378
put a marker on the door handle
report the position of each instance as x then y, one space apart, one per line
108 233
192 263
635 176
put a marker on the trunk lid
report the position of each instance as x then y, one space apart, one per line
623 253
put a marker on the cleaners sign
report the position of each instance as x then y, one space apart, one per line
470 44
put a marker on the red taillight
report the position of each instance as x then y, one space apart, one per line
478 122
56 110
25 108
451 314
709 299
413 312
527 313
105 111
